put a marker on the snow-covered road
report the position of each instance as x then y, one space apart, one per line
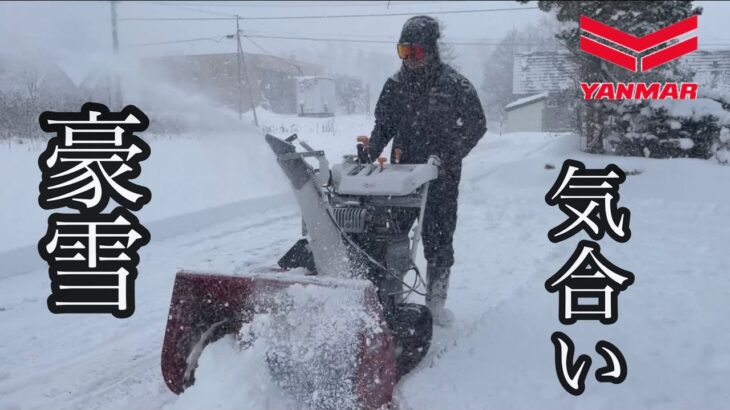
672 327
99 362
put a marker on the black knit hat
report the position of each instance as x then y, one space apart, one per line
421 30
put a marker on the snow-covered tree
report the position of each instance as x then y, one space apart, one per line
447 51
721 97
350 94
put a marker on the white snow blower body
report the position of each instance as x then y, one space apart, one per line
354 245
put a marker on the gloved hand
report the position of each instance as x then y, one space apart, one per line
441 164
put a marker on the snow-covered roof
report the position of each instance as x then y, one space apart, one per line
314 77
17 72
526 100
554 71
712 68
542 71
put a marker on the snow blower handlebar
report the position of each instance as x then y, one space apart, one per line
415 240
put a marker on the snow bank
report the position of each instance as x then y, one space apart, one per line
186 173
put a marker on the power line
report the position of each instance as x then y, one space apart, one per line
330 16
388 14
348 36
341 40
184 7
263 50
252 35
174 18
189 40
322 5
464 43
255 35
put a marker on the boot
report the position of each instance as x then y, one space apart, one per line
436 291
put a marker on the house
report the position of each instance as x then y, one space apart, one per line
29 86
316 97
542 71
711 68
36 80
543 84
272 80
526 114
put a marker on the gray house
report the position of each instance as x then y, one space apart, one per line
543 85
711 68
526 114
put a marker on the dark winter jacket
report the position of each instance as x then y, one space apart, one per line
437 113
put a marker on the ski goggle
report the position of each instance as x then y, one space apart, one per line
407 50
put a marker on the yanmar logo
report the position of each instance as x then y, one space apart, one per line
636 63
638 44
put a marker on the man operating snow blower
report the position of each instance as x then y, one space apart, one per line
428 108
352 336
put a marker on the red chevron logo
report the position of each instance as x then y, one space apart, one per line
637 44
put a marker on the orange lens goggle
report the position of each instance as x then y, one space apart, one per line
406 50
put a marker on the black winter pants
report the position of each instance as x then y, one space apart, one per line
439 223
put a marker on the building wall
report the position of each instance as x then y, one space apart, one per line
711 68
527 117
559 114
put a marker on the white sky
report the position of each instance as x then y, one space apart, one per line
79 32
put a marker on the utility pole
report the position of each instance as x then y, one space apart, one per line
117 93
238 65
240 60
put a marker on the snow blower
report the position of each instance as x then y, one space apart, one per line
355 242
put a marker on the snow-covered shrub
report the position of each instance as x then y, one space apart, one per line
721 148
351 94
722 152
669 129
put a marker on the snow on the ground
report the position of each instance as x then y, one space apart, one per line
671 328
185 173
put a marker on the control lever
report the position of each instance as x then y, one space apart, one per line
381 162
363 154
363 140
